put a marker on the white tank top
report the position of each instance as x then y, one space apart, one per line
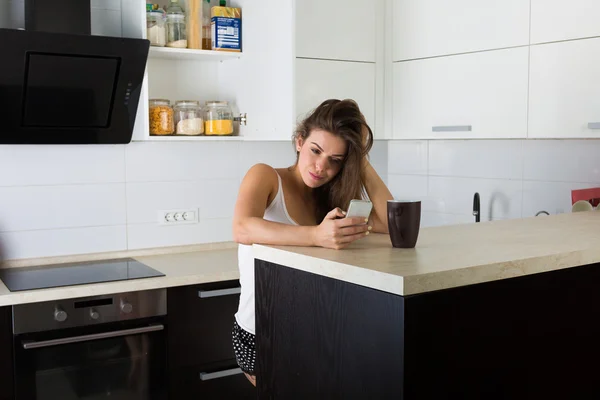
276 212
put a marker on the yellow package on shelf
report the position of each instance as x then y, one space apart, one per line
226 25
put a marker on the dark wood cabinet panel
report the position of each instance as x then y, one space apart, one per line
321 338
6 354
200 328
530 337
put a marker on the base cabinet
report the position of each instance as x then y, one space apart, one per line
197 383
201 361
6 357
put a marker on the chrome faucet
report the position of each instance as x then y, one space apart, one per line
476 207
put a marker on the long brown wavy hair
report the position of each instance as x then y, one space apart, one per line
343 119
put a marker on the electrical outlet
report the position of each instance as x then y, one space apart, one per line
178 217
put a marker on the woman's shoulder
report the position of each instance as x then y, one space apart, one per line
263 174
264 179
262 170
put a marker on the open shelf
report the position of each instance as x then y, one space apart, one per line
168 138
172 53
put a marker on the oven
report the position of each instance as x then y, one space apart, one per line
100 347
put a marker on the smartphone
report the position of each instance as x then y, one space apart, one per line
359 208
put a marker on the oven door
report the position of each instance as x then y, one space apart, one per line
123 361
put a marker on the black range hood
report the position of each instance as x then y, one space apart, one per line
61 85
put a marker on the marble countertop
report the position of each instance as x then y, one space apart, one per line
185 268
453 256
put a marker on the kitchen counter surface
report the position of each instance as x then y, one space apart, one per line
453 256
187 268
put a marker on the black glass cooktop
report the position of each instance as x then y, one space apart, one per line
49 276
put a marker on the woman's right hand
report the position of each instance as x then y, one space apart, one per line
337 232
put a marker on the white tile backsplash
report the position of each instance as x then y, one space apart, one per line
378 157
562 160
408 187
61 165
553 197
58 200
501 159
275 154
212 198
408 157
429 219
54 207
145 199
140 236
218 198
57 242
499 199
515 178
179 161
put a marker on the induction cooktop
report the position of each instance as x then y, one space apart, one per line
57 275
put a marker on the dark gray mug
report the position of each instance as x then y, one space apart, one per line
404 221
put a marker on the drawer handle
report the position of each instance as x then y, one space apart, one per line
203 294
207 376
593 125
452 128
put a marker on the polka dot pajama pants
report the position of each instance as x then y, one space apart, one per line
244 348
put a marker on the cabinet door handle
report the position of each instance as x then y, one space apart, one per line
593 125
452 128
203 294
207 376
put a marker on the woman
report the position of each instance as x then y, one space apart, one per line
303 205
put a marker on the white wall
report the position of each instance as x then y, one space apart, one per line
57 200
515 178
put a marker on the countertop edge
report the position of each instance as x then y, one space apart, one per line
429 282
331 269
498 271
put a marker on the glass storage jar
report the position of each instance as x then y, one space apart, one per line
188 118
218 118
176 33
161 117
156 31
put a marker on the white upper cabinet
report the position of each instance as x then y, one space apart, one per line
564 88
336 29
258 82
554 20
318 80
426 28
261 82
478 95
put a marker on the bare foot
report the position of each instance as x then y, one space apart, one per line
251 378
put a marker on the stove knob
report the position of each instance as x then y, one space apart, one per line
60 315
126 307
94 314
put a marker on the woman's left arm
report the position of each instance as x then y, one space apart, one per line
379 195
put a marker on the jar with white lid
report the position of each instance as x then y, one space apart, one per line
176 31
188 118
218 118
156 31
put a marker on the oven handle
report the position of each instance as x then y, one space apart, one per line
95 336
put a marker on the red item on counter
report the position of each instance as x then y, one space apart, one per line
592 195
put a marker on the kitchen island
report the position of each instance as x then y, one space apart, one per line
496 310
